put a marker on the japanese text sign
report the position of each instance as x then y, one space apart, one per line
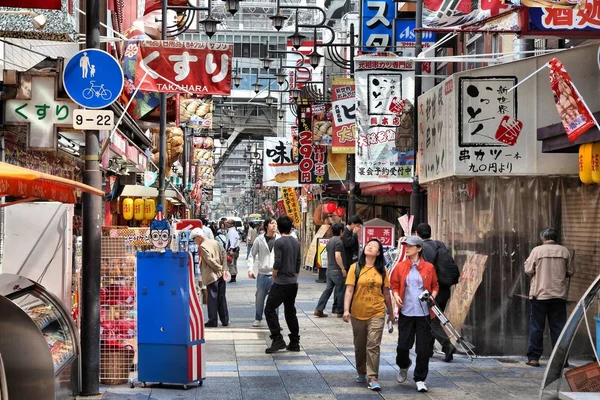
436 132
564 22
291 205
199 68
279 167
385 234
42 113
572 110
382 92
280 208
344 115
313 158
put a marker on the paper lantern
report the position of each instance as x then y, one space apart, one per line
585 163
340 211
149 209
329 208
128 209
596 162
138 209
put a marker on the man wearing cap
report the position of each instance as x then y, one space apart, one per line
409 280
233 248
213 264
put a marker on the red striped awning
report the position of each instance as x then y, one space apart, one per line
385 189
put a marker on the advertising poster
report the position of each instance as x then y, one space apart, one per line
279 168
384 87
344 115
457 13
312 167
321 123
564 22
291 205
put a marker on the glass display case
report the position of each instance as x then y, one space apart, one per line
51 345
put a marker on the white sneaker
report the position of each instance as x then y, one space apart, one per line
421 387
256 323
402 374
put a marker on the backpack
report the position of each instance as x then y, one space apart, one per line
446 269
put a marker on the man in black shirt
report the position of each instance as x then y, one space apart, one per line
350 240
286 268
336 273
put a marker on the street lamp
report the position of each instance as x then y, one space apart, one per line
278 20
281 112
210 25
314 58
281 75
237 80
232 6
267 61
270 100
257 87
296 39
295 93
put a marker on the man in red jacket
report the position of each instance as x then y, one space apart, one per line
409 280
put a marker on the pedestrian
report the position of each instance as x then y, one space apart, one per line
351 247
213 266
549 266
262 259
409 280
436 253
233 248
207 231
336 273
366 300
251 238
286 267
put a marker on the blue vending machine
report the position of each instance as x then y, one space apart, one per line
170 322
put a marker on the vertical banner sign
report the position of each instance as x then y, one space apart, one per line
321 122
377 25
572 110
344 115
279 166
383 88
280 208
313 159
291 205
489 133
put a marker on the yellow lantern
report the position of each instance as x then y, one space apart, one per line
585 163
149 209
138 209
596 162
128 209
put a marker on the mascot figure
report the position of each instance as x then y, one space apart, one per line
160 231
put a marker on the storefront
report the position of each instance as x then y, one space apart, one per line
491 190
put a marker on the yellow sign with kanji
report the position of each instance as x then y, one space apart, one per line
290 203
344 115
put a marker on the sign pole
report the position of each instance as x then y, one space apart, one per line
162 148
415 197
351 157
92 219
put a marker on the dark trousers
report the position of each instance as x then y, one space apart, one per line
556 312
335 280
217 303
286 295
437 331
408 329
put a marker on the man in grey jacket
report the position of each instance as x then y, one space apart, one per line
262 260
550 267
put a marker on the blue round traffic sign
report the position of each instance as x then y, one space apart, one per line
93 78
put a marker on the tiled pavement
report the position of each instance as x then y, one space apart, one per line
238 368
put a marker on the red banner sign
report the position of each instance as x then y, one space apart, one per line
43 4
313 159
385 234
173 67
573 112
343 97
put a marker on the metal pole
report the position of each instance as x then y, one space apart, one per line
351 157
184 159
415 197
91 253
162 149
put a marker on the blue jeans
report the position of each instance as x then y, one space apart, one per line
263 286
336 280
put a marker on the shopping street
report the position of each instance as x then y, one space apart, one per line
238 368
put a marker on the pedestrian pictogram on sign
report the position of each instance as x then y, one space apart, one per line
93 78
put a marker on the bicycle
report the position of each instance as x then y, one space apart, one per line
88 93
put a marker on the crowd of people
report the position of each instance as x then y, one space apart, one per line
365 292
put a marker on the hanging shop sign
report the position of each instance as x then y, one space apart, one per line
344 115
313 159
172 66
383 87
321 123
291 205
385 234
573 112
196 113
42 113
455 14
586 163
279 167
583 20
280 208
128 208
379 23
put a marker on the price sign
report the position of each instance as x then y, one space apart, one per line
93 119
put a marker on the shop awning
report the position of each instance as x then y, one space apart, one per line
385 189
33 185
142 191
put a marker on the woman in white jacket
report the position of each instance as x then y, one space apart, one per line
261 261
